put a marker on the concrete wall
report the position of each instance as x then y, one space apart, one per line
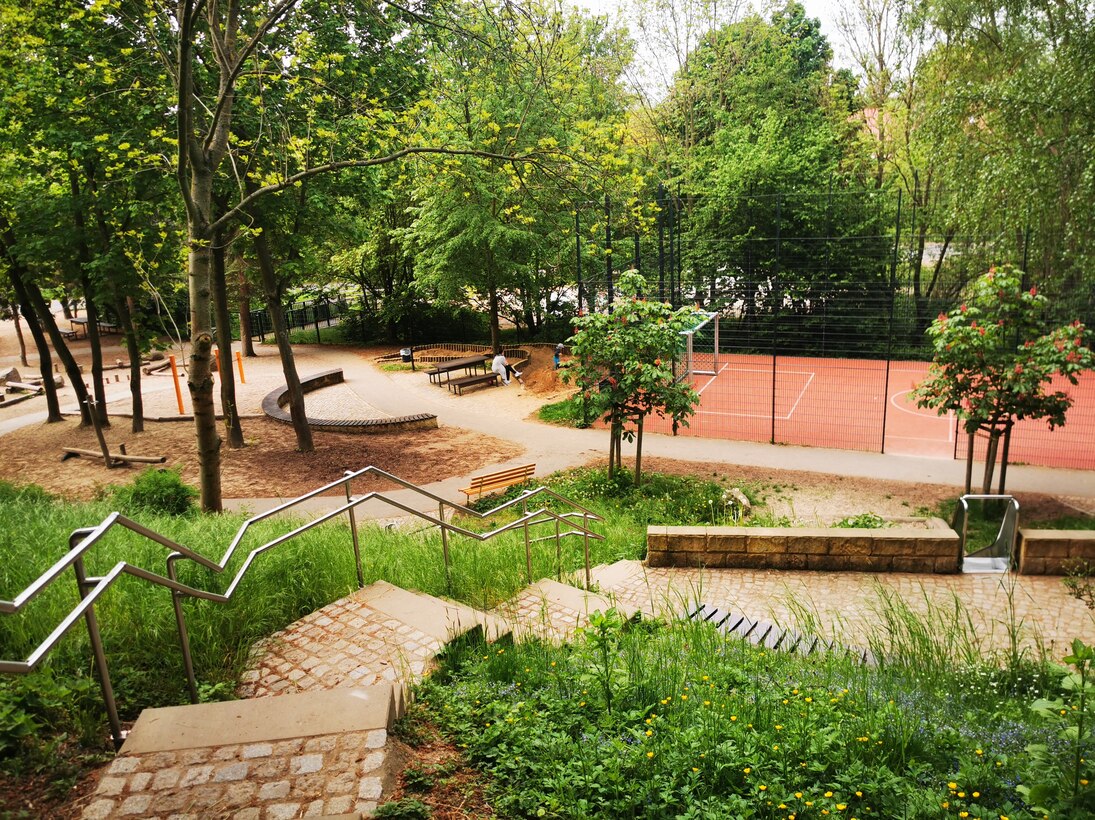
1054 552
891 549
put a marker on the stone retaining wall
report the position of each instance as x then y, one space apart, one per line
1054 552
273 405
891 549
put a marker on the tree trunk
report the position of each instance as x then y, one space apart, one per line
30 297
246 332
91 304
495 328
990 459
224 344
19 334
1004 460
91 312
45 359
639 452
969 462
125 316
281 333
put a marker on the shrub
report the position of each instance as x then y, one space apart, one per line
157 490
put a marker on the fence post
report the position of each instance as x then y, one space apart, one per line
528 547
893 300
445 546
184 635
353 532
97 645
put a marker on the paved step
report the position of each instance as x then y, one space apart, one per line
319 753
439 617
553 612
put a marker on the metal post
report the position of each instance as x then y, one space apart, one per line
893 300
445 547
528 547
585 535
558 553
775 321
578 255
97 648
353 533
184 635
661 243
608 249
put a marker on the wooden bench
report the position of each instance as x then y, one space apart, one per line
483 484
457 385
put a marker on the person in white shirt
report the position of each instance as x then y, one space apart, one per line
504 369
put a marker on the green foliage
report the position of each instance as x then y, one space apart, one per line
1061 772
571 412
678 720
156 490
866 520
623 362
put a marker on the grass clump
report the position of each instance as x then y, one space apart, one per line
570 412
156 490
678 720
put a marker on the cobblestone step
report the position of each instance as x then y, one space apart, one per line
551 611
313 754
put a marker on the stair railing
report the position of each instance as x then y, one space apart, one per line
91 588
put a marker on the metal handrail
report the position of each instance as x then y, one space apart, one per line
1009 525
82 540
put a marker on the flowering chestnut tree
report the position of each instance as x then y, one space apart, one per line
993 362
623 364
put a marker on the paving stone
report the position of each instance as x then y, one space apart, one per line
196 776
233 771
237 794
139 781
306 764
314 809
124 765
166 778
321 744
135 804
269 767
99 810
339 805
257 750
372 762
282 811
370 788
110 785
376 739
226 753
274 791
250 813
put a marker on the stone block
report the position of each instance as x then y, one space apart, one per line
686 539
870 563
895 546
849 546
947 566
658 558
766 543
787 560
748 560
656 538
718 541
828 563
808 544
913 563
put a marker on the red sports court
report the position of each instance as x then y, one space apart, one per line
858 404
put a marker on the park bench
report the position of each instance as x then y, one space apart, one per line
457 385
489 483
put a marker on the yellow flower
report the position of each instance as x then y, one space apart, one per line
747 769
649 754
952 785
1083 782
828 794
841 806
859 794
695 769
798 795
977 794
978 752
649 733
763 788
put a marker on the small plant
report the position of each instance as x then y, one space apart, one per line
157 490
1062 771
867 520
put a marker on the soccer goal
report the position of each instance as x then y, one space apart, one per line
699 354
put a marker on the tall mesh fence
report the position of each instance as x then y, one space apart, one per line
824 302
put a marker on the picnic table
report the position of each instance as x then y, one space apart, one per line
466 363
79 324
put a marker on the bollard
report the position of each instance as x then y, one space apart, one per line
239 361
175 378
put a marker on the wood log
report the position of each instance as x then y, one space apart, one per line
76 451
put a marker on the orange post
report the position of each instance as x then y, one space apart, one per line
239 361
216 359
178 389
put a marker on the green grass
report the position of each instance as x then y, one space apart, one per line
676 720
566 413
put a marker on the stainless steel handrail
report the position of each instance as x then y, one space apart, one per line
1009 525
91 589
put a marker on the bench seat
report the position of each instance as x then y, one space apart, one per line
489 483
457 385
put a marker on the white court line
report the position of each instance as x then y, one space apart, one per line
809 378
922 415
712 380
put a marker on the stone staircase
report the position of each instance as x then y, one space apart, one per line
309 736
